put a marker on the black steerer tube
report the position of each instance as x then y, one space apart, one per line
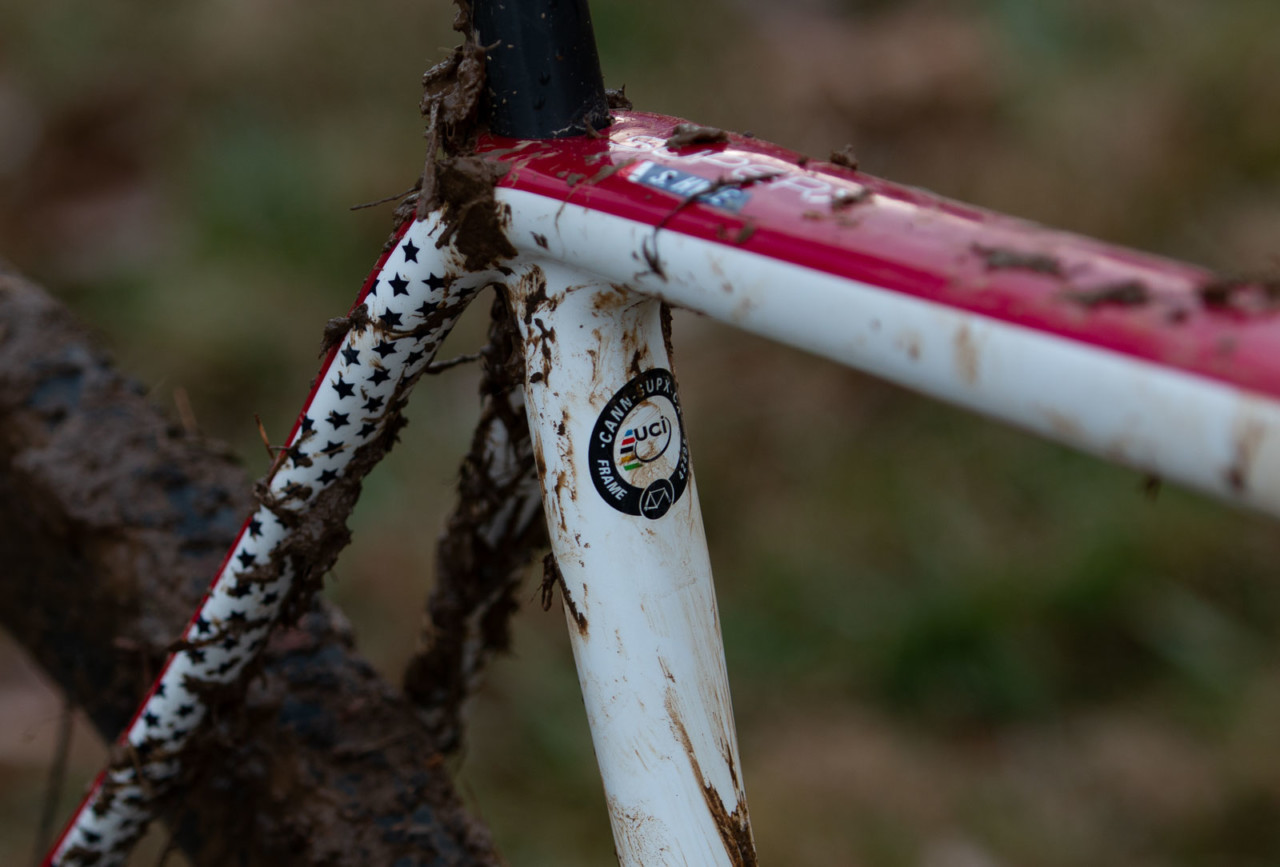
542 73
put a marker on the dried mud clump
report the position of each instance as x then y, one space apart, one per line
335 330
491 536
686 134
1001 259
1130 293
473 221
454 180
845 157
617 99
1241 295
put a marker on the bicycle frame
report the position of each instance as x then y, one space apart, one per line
1149 363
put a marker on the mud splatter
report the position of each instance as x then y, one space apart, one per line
966 356
579 619
551 577
492 533
649 251
845 157
1248 439
1130 293
335 330
473 221
1001 259
1241 295
616 98
686 134
844 199
733 826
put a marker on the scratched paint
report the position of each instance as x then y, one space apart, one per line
1205 432
636 581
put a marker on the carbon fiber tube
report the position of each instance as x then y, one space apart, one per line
543 76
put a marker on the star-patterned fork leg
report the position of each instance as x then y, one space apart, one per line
404 311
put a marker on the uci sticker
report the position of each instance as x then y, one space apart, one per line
639 457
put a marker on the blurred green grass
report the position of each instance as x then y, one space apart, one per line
949 644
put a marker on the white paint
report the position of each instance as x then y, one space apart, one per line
1177 425
646 634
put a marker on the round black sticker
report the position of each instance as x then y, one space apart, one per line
639 457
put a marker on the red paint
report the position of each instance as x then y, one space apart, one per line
909 241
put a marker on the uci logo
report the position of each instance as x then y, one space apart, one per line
638 457
645 442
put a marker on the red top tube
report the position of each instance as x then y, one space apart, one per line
772 201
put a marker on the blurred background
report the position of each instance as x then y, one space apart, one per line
950 645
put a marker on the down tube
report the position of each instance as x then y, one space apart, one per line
627 534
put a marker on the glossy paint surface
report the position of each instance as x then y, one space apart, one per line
763 199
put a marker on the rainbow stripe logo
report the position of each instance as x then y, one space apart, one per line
628 451
632 456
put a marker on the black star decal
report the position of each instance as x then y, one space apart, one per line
230 643
160 689
179 734
399 286
269 599
255 526
186 710
226 666
306 423
410 251
328 477
236 617
390 320
293 489
337 419
427 308
373 404
197 656
344 388
414 357
297 455
240 590
434 282
150 719
384 348
202 625
351 355
331 448
368 429
246 558
380 376
91 837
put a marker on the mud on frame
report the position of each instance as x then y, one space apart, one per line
944 299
